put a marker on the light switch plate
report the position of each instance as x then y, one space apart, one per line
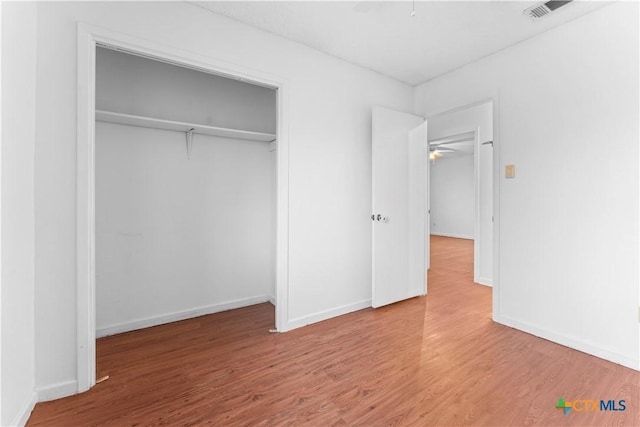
510 171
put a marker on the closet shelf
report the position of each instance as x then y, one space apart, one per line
149 122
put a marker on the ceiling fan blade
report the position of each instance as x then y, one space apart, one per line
443 150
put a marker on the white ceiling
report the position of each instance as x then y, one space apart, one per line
383 36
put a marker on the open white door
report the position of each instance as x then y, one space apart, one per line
400 158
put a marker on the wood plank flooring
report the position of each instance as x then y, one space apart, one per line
438 360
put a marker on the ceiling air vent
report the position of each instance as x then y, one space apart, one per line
543 9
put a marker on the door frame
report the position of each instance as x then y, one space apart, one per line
494 98
476 189
89 37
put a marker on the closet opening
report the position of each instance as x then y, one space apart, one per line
186 192
186 162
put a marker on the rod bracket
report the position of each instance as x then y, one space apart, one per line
189 142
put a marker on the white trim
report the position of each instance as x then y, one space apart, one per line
57 390
85 213
454 235
179 315
282 209
272 300
25 411
427 205
88 36
496 273
570 342
328 314
484 281
477 223
1 145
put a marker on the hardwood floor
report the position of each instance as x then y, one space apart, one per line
431 361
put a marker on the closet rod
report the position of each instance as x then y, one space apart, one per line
150 122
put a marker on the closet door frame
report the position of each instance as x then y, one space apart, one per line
89 37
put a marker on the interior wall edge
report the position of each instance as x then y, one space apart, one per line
567 341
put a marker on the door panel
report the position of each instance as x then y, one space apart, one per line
399 153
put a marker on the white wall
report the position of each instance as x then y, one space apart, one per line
18 123
568 120
463 120
453 195
177 237
330 160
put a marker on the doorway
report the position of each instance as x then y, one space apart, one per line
89 39
461 184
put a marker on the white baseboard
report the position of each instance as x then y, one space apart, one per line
57 391
620 359
180 315
272 300
326 314
484 281
25 411
454 235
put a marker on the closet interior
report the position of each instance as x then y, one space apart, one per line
185 192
